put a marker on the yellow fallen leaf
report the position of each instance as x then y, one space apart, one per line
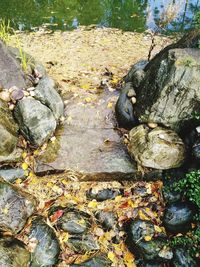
88 99
5 210
92 204
24 155
110 105
147 238
157 229
118 198
24 166
111 256
85 86
36 152
18 181
142 216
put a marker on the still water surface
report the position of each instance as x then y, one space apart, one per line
129 15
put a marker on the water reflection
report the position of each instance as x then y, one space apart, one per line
131 15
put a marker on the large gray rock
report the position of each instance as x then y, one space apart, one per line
11 73
15 208
13 253
36 121
170 91
158 148
46 93
8 134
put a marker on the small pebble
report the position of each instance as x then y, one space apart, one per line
133 100
36 81
32 93
30 89
11 106
26 93
17 94
131 93
152 125
5 95
198 129
13 88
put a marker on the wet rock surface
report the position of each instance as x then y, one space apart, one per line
99 152
124 109
158 148
36 121
107 219
11 174
178 217
84 243
97 261
74 222
46 93
13 253
141 237
182 257
16 208
11 73
169 93
102 194
46 246
8 134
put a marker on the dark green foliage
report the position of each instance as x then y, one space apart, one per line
190 185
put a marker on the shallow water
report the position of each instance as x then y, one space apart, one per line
129 15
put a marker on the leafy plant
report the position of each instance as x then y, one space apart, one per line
190 185
5 30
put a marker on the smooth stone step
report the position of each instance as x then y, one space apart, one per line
89 143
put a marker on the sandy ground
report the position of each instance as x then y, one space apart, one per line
77 59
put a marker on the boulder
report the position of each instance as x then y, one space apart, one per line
46 93
124 109
178 217
45 244
11 73
136 73
102 194
36 121
13 253
159 148
107 219
155 249
83 244
182 258
170 91
11 174
8 134
73 222
15 208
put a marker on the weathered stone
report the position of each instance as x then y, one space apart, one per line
182 258
99 153
102 194
8 132
11 174
136 73
107 219
158 148
170 91
35 120
10 70
124 109
13 253
84 243
178 217
17 94
97 261
155 249
15 208
47 248
73 222
46 93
